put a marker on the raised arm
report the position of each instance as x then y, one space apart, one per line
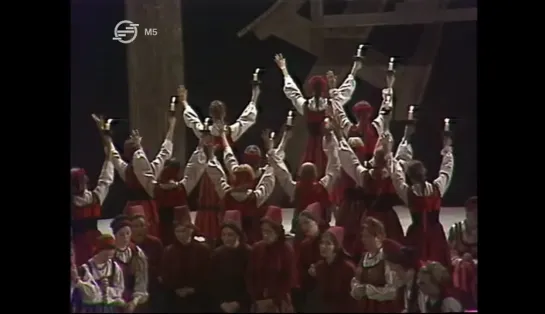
350 163
398 177
194 169
344 122
192 120
218 176
247 118
281 172
445 172
119 164
340 96
166 148
143 171
265 186
229 159
105 179
291 90
385 114
333 167
404 152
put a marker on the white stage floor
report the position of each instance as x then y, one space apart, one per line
448 216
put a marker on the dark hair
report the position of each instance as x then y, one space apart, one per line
119 222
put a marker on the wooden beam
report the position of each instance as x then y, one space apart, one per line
399 18
317 33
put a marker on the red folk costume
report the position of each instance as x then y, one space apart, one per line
185 265
305 192
271 272
171 192
209 214
252 156
139 176
426 233
228 268
463 244
86 209
241 196
446 300
314 109
333 278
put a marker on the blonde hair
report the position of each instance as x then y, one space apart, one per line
245 168
355 142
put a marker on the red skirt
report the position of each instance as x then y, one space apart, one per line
152 217
84 245
314 153
391 223
209 211
464 278
431 243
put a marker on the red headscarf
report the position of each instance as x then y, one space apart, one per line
318 86
78 180
252 156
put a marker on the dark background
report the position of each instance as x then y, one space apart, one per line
99 80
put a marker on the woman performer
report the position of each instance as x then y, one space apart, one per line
404 262
437 292
228 267
314 108
369 190
423 198
375 284
185 266
86 206
312 226
271 272
99 281
171 192
210 210
334 274
463 245
308 189
139 174
153 249
242 194
133 262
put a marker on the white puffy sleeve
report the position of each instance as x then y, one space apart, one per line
143 171
445 172
282 173
229 159
451 305
105 179
293 93
164 154
119 164
244 121
115 291
350 163
404 152
88 287
265 186
333 167
194 169
398 178
218 176
192 120
386 292
140 294
340 96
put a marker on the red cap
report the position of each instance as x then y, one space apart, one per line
233 217
104 242
252 154
78 179
273 215
136 210
321 83
338 233
362 108
313 211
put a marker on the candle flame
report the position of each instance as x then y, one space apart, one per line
272 135
411 109
360 47
447 120
173 99
290 113
257 71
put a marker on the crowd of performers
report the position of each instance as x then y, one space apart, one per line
236 255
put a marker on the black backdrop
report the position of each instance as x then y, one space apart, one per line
218 65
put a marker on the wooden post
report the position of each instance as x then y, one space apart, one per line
155 68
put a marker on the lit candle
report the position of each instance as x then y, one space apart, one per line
326 122
172 106
289 122
256 73
173 99
360 48
411 113
447 124
206 123
108 124
271 136
391 64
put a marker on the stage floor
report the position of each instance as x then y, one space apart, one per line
448 216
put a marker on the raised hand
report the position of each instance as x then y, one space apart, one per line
331 79
280 61
135 137
99 120
182 93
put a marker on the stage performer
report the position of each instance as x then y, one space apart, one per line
209 213
140 175
426 233
404 262
243 194
185 267
463 248
312 225
437 293
133 263
153 249
314 108
99 281
334 274
271 272
228 267
171 192
86 206
375 284
309 189
368 189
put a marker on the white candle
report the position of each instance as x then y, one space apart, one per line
108 124
360 48
173 99
172 106
411 112
289 121
206 123
447 124
326 122
391 64
256 73
271 136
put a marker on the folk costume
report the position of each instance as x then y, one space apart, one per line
445 301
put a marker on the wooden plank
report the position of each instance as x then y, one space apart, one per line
399 18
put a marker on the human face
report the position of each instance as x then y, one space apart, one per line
426 285
308 226
229 237
369 241
183 234
138 228
268 232
106 255
123 237
327 245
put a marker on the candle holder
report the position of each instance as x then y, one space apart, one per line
172 106
255 77
447 131
360 53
